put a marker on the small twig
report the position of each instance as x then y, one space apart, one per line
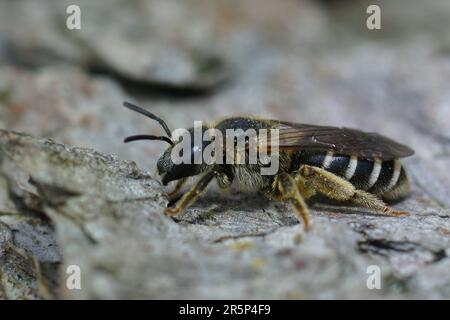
244 235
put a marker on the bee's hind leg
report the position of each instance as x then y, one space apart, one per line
339 189
189 197
286 189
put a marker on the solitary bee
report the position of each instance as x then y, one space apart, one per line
340 163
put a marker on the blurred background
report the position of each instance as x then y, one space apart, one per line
310 61
298 60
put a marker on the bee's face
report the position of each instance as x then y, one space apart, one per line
170 171
167 168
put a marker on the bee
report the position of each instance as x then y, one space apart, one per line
342 164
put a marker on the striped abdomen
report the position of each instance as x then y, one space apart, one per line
386 179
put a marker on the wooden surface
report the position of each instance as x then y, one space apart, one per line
289 60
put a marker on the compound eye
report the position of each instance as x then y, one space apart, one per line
197 154
196 149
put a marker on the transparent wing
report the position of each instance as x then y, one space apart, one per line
368 145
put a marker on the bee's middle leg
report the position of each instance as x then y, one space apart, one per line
285 188
339 189
189 197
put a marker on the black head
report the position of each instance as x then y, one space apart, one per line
168 169
186 164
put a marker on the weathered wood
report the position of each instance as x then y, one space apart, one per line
62 205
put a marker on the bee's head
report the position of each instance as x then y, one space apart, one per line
168 169
185 164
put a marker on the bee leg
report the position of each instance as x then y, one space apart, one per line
189 197
368 200
287 190
177 188
306 189
174 200
339 189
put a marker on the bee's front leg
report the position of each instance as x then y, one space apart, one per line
189 197
177 188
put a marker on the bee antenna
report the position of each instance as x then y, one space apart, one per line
148 137
150 115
